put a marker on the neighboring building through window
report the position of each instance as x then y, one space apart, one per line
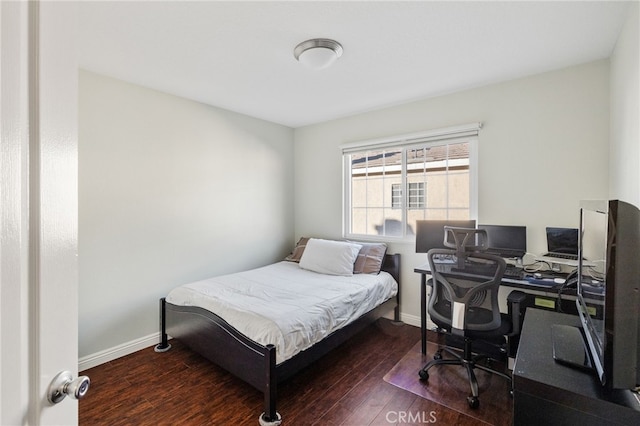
396 196
416 195
389 185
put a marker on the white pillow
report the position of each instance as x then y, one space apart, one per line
330 257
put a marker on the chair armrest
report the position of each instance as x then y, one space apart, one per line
514 299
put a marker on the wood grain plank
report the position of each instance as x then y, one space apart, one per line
345 387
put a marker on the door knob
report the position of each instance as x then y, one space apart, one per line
64 384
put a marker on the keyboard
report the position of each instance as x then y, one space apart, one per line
562 256
477 269
513 272
506 253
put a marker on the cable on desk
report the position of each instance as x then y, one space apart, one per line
564 286
537 266
561 288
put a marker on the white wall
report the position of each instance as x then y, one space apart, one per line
170 191
544 146
625 112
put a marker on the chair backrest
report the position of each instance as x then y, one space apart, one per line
465 282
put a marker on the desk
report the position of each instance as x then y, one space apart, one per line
546 392
542 295
425 271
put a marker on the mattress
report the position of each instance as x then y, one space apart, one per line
284 305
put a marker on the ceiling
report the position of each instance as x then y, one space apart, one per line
239 55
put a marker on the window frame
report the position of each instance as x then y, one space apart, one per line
451 135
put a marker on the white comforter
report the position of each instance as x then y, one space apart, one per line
285 305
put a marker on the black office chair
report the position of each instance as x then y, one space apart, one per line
464 302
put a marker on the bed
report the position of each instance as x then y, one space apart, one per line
280 344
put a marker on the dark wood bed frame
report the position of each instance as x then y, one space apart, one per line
213 338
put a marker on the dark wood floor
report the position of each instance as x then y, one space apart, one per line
345 387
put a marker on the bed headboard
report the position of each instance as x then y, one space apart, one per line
391 264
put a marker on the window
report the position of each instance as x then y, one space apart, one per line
416 195
391 184
396 196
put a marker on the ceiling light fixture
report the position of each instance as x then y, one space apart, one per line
318 53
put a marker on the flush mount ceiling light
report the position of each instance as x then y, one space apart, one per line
318 53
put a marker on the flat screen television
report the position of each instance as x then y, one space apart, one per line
608 290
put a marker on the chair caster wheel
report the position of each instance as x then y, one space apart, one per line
473 401
423 375
437 355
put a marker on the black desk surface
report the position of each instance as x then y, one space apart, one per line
546 284
542 285
546 392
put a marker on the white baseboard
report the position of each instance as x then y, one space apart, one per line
116 352
410 319
415 320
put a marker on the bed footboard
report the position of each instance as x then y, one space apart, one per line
212 337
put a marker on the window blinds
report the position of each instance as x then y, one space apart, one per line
444 134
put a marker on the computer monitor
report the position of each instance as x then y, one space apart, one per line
430 233
562 240
506 240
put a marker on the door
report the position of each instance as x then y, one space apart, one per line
38 206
